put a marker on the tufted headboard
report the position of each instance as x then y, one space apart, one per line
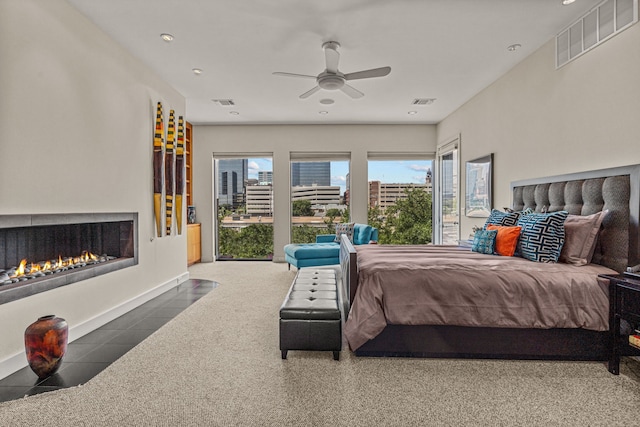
585 193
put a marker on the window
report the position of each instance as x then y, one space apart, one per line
319 195
244 206
400 200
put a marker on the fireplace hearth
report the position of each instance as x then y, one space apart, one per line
46 251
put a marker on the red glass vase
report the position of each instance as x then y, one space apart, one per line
45 342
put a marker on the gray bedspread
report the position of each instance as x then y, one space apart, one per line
450 285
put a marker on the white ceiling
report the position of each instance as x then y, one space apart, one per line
444 49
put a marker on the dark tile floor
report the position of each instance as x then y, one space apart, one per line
90 354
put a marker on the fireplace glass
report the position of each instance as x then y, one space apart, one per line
42 252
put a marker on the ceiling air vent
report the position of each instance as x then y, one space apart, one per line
423 101
224 102
599 24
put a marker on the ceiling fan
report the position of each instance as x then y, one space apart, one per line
332 79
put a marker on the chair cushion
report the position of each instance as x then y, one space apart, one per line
312 250
361 234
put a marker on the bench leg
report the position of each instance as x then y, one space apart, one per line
289 265
284 354
336 355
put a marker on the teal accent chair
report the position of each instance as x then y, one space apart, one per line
326 251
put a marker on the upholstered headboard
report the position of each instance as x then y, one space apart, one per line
616 190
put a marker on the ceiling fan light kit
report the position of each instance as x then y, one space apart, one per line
332 79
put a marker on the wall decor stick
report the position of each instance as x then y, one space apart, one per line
158 142
169 165
180 172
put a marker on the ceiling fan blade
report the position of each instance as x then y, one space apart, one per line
351 91
375 72
278 73
332 57
310 92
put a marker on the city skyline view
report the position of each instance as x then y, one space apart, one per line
386 171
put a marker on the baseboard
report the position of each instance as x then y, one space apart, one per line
18 361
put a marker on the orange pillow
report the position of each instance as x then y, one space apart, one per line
506 240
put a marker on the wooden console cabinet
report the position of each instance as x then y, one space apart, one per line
193 243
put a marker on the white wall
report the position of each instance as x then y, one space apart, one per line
76 119
539 121
358 140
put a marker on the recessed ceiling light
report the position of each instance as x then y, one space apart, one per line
514 47
166 37
327 101
567 2
323 112
234 113
197 71
411 113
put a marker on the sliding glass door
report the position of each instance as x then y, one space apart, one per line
448 199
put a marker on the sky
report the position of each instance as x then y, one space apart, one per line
392 171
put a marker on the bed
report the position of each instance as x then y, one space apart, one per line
546 311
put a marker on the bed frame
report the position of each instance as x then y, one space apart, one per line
615 189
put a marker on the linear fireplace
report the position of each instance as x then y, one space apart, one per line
45 251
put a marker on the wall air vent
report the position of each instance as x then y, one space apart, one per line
598 25
224 102
423 101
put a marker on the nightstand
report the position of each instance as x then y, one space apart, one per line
624 303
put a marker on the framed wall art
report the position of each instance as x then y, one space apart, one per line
478 197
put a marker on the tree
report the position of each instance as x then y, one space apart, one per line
305 233
408 222
254 241
375 217
345 215
301 208
330 216
333 212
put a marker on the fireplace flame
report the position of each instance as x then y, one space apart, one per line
20 270
48 266
34 268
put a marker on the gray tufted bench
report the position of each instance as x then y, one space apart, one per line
310 316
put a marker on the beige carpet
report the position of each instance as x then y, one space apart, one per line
218 363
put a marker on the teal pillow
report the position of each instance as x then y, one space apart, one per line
484 241
361 234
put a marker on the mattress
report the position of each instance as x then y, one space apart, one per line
451 285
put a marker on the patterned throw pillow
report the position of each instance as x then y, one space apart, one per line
542 236
344 228
484 241
506 219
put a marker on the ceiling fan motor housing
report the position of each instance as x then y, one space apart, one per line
330 81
